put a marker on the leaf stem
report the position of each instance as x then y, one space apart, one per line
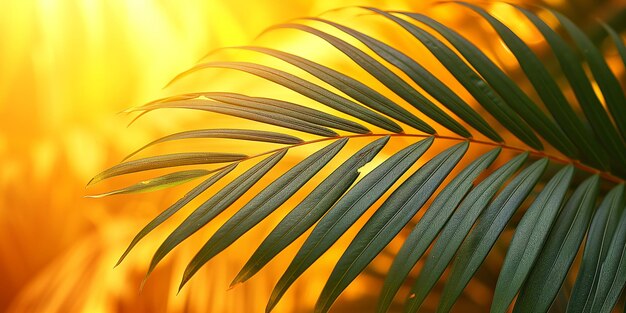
540 154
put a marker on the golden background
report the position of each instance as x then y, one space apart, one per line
66 68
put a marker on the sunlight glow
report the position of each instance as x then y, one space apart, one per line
69 68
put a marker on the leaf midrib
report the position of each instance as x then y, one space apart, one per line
605 175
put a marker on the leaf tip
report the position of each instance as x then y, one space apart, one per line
234 284
189 272
239 279
183 282
274 298
118 263
123 256
92 181
143 283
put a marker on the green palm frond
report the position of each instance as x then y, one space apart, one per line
562 185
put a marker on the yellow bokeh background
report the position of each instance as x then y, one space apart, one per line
66 69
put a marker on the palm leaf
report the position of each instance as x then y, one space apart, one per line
489 226
389 79
529 238
560 109
552 265
429 226
262 205
578 159
293 110
240 134
478 87
598 241
264 114
349 86
613 273
607 82
192 194
388 220
346 211
311 209
505 87
456 229
315 92
157 183
214 206
423 78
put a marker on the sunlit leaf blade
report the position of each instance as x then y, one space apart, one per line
607 82
490 225
155 103
346 211
268 114
571 67
263 204
509 89
600 234
422 77
456 230
387 222
529 238
429 225
557 255
290 109
196 191
348 85
613 273
389 79
214 206
598 118
157 183
311 209
308 89
165 161
618 41
480 90
240 134
180 97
